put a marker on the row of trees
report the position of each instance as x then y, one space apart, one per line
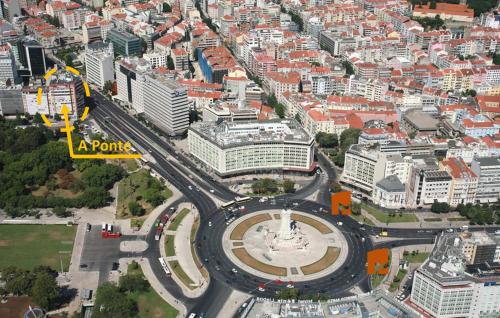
40 284
337 147
480 214
278 107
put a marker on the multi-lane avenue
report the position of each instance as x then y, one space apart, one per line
175 167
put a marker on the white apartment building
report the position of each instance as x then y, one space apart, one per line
363 167
156 59
130 81
464 181
252 146
99 63
488 171
444 288
166 104
389 193
427 184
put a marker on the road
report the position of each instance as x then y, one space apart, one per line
173 166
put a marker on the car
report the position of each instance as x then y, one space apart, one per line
262 289
212 190
198 189
190 187
234 270
192 315
295 203
315 211
89 227
83 266
209 223
340 223
449 230
290 286
217 267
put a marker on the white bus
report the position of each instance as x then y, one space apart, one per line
164 265
227 204
242 199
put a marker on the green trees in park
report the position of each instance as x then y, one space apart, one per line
40 284
264 186
170 63
288 186
135 209
480 214
279 108
347 138
111 302
440 207
31 159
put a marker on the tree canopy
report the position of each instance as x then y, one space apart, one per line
110 302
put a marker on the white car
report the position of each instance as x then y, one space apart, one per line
295 203
290 286
262 289
209 223
234 270
212 190
340 223
190 187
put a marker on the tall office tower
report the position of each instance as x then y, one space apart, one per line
166 104
130 73
99 63
32 57
125 44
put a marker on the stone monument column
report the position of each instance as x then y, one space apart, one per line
285 233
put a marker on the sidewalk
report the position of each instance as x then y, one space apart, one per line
421 216
233 303
183 253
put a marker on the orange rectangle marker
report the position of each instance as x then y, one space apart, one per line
341 201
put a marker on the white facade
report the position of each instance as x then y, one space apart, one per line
31 105
488 171
8 69
362 168
130 81
239 147
99 64
166 104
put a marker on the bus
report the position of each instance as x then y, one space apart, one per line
227 204
242 199
164 265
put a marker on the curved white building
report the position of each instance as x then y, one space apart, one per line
252 146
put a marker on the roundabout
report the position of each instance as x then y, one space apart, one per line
297 247
320 257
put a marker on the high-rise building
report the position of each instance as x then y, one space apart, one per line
32 57
124 43
166 104
99 63
130 81
8 70
10 9
453 284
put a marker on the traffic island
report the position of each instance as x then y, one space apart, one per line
177 250
284 245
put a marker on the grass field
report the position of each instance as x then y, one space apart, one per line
178 219
240 229
133 188
433 220
27 246
169 245
331 255
417 258
454 219
176 268
249 260
196 258
376 280
385 218
149 303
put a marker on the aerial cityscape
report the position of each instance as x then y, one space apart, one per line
249 158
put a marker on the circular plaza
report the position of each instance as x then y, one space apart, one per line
284 244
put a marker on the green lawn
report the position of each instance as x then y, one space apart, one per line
453 219
433 220
176 268
397 280
417 258
385 218
134 188
178 219
362 219
27 246
149 303
169 245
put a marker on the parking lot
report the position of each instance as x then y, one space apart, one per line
99 254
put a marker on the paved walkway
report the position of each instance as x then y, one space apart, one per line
233 303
